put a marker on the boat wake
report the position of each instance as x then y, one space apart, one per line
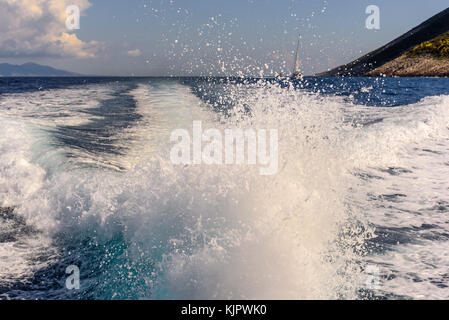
138 226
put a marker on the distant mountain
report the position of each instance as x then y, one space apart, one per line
394 55
31 69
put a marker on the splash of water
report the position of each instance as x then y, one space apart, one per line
158 230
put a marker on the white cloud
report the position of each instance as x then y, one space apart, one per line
134 53
37 28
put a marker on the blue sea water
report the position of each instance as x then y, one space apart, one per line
358 209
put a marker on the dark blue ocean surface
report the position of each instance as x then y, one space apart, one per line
357 209
384 92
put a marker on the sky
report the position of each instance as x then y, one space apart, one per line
200 37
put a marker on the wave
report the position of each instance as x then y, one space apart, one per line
161 231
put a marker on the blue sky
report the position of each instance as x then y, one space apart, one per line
208 37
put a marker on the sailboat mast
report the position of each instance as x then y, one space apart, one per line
296 68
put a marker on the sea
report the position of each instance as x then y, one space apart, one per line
358 208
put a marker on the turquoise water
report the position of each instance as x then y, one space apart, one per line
86 180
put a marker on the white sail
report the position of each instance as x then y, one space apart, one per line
296 71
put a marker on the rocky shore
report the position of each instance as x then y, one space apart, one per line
424 66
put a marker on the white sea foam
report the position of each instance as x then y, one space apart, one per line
54 107
226 231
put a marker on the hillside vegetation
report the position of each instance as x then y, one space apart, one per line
437 48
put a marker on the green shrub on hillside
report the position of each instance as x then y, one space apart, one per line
437 47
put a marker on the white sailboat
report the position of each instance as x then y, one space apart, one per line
296 74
